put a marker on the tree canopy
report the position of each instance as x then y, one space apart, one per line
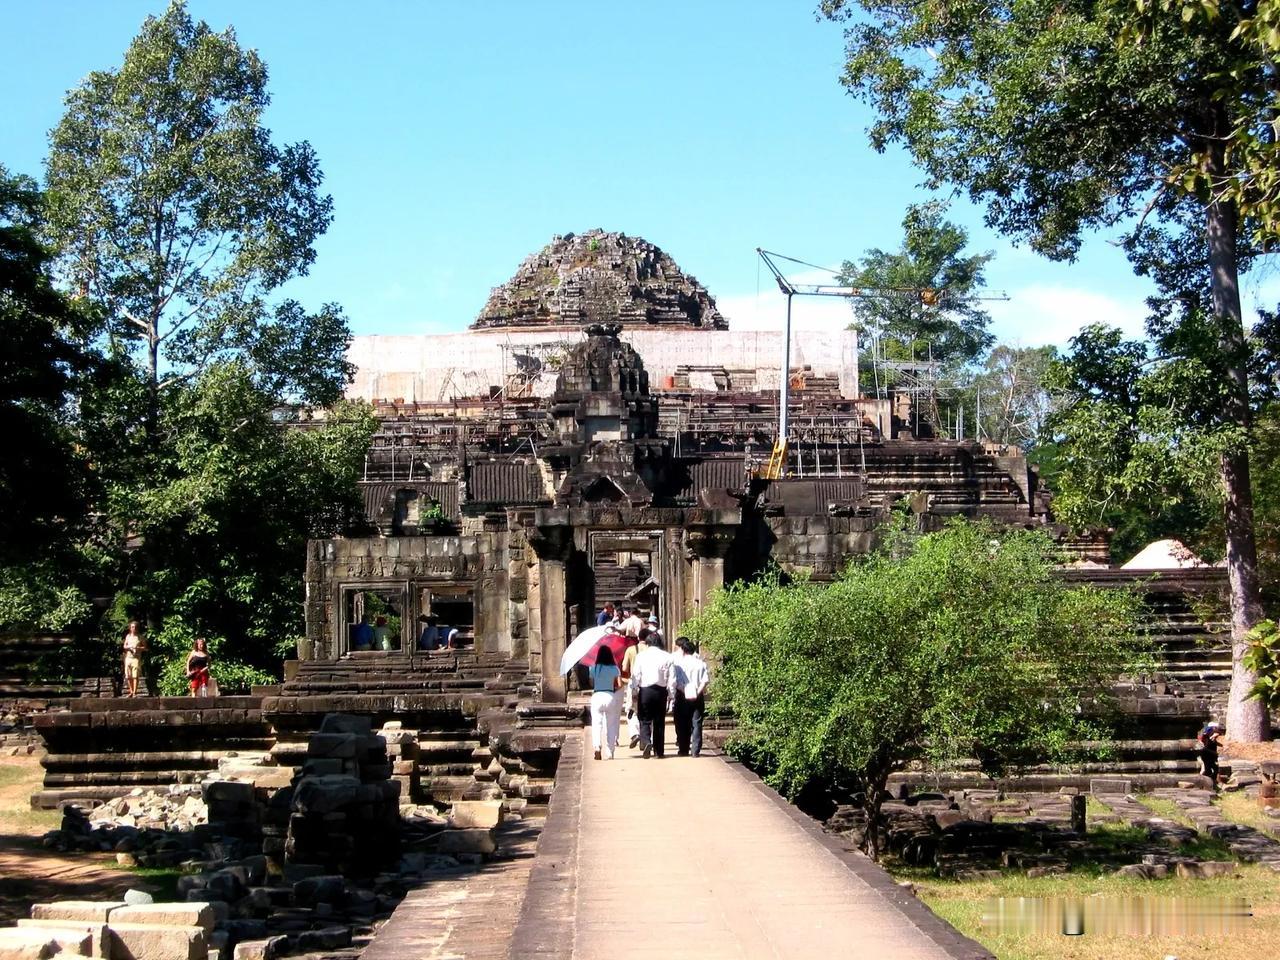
171 205
173 213
948 646
1065 117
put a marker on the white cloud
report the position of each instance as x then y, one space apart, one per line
1037 315
767 310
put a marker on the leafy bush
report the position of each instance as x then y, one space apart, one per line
942 647
1263 658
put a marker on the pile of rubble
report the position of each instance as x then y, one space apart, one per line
270 866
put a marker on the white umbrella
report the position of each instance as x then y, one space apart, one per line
580 647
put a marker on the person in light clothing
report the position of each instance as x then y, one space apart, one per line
606 703
651 679
631 623
690 682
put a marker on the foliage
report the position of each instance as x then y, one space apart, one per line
958 644
225 516
1063 117
175 213
172 207
1263 659
919 305
44 479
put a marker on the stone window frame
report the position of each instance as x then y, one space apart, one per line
407 620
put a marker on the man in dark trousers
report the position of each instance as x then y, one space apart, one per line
689 677
651 680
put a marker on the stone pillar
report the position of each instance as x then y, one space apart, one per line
553 545
706 550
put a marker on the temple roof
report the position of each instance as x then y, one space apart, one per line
599 277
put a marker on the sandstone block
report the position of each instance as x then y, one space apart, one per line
228 791
325 889
86 911
332 745
267 949
1101 785
167 915
345 723
40 943
325 794
1144 871
1207 870
272 778
145 941
91 936
482 814
327 938
466 841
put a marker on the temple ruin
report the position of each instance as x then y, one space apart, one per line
598 435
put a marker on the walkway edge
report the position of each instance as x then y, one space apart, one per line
544 930
947 937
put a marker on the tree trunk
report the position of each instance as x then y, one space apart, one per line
1247 719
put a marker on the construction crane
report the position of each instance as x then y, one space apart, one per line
929 297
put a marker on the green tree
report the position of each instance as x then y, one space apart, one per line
172 207
920 305
955 645
1039 112
45 480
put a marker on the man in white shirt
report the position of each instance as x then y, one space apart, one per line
651 678
631 623
689 678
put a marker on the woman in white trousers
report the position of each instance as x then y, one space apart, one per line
606 704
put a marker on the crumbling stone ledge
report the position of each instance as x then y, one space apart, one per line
552 892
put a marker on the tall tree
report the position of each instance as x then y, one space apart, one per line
172 208
1009 395
921 307
43 480
1043 115
169 201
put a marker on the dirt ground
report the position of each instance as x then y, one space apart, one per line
1256 752
29 873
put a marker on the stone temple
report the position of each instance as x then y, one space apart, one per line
603 444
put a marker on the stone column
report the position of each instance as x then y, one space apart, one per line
553 545
706 549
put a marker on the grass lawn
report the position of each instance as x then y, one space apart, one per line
962 903
1245 810
19 778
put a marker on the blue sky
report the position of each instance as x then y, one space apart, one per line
458 138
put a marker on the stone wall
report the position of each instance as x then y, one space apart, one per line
477 561
434 367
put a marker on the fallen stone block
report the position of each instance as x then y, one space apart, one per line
483 814
267 949
327 938
1101 785
1144 871
466 841
1207 870
195 914
144 941
228 791
40 943
86 911
91 937
332 745
313 890
345 723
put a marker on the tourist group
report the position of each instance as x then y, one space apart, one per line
198 664
630 670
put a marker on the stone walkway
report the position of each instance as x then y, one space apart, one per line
696 858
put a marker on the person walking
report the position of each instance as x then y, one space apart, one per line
629 698
1208 741
690 682
651 680
606 615
606 702
198 661
135 645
